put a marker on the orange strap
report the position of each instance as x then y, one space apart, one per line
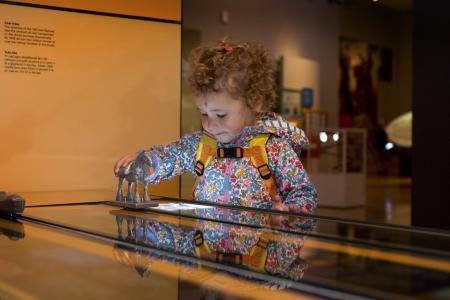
256 259
207 151
264 171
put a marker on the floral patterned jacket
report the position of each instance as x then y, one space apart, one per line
234 181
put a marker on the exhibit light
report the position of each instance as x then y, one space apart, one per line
335 136
323 137
388 146
399 130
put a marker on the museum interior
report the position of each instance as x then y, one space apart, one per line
83 83
345 75
359 58
356 57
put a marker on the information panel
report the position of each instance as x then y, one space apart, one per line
77 91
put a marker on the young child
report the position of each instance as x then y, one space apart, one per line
245 155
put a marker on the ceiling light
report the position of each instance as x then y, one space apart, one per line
323 137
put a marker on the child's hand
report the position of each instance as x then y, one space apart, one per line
124 161
277 205
277 220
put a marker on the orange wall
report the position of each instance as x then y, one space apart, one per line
115 88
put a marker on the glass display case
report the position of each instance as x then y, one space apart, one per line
336 163
202 250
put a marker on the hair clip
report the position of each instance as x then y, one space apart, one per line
227 48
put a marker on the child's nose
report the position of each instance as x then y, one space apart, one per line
209 124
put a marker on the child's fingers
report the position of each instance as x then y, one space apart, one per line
116 168
277 203
118 164
123 162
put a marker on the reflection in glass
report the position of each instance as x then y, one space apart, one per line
12 229
255 249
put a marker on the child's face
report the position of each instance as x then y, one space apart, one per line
223 116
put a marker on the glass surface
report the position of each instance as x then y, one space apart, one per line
96 218
38 262
340 256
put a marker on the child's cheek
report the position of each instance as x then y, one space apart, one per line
233 126
228 125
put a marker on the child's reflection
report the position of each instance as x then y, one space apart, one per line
261 250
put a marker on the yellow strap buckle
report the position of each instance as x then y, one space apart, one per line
199 168
264 171
198 238
229 258
233 152
262 243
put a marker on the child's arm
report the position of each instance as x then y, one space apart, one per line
296 190
167 160
176 158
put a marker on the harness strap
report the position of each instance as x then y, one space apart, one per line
255 259
260 162
207 149
201 248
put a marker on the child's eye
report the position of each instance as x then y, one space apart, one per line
204 115
221 115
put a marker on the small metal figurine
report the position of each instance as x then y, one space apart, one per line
136 174
11 204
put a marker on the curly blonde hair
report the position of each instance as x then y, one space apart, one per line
245 71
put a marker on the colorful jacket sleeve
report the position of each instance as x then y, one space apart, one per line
173 159
294 185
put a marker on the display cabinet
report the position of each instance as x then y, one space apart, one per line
336 162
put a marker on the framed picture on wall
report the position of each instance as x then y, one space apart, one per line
291 102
